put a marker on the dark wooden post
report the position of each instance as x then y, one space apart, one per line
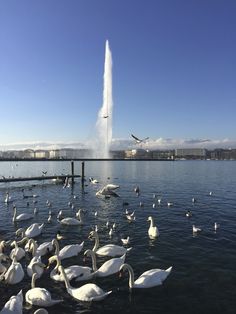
82 174
72 172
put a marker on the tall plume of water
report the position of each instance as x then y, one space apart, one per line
104 119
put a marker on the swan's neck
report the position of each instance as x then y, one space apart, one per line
33 280
33 243
79 216
55 242
96 245
67 283
14 214
151 222
131 274
94 260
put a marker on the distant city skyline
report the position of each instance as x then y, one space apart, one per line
174 72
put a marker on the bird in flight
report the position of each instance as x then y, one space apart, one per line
138 140
105 117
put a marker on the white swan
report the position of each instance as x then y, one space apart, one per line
110 267
41 311
73 221
2 246
3 258
21 217
88 292
14 305
36 261
81 272
153 231
108 190
42 249
34 230
14 273
39 296
149 279
68 250
18 252
107 250
8 198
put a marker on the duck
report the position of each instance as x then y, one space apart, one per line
73 271
68 250
39 296
125 241
153 231
14 305
88 292
21 217
107 250
108 268
29 195
14 273
73 221
59 236
150 278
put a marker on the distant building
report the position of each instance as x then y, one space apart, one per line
190 153
54 153
138 153
163 154
41 154
28 153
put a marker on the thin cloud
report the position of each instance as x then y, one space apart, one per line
126 144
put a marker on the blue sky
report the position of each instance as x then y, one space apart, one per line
174 70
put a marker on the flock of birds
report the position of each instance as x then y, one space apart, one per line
42 256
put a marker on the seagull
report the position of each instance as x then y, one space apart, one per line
196 230
138 140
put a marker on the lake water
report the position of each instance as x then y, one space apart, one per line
203 277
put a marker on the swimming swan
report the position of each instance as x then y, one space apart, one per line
107 250
21 217
14 273
88 292
73 221
18 252
3 258
110 267
14 305
149 279
68 250
36 261
153 232
39 296
74 271
108 190
34 230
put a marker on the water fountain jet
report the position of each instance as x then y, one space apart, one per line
104 119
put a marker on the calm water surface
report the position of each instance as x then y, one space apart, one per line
203 277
